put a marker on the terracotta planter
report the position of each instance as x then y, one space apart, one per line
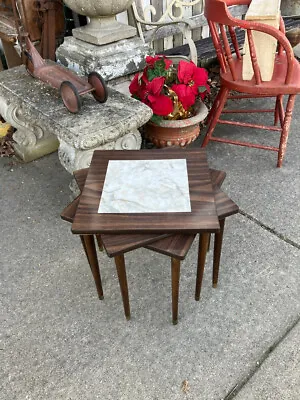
178 132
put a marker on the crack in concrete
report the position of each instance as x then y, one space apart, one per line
238 387
271 230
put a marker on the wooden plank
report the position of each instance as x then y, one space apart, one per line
12 57
263 10
197 10
267 12
158 44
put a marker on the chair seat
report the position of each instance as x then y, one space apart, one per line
274 87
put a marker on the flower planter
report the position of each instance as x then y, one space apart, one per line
176 132
102 27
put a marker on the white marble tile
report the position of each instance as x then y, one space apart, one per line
138 186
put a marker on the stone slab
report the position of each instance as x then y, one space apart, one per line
111 61
59 341
38 113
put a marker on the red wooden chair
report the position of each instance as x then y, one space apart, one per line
285 80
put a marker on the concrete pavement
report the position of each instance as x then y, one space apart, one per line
240 341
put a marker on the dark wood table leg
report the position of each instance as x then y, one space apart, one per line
121 270
88 243
203 245
99 241
217 253
175 272
209 243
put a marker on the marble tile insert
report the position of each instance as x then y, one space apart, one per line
143 186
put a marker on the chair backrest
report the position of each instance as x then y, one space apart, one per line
224 26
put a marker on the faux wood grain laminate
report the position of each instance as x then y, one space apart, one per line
202 218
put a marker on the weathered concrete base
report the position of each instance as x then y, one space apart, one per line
112 61
42 147
37 112
73 159
104 30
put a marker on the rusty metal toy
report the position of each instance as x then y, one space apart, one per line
70 85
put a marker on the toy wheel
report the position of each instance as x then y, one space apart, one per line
70 96
100 90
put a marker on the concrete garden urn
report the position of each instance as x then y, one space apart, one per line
102 27
180 132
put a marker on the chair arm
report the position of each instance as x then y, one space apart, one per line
237 2
277 34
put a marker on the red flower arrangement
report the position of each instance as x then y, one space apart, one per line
170 90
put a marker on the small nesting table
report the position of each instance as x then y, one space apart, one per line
121 232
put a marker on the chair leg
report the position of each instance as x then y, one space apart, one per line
217 109
203 243
286 129
88 243
121 271
212 110
175 272
278 112
217 253
281 111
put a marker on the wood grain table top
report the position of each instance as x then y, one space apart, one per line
202 218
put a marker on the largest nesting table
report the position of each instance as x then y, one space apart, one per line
142 226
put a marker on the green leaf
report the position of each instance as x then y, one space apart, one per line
156 119
202 89
151 74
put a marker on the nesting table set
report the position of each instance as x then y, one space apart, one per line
158 199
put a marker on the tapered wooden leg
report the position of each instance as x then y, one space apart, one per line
175 272
203 243
88 243
286 129
217 253
209 240
99 241
279 112
121 270
216 111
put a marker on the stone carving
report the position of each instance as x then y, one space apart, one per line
73 159
31 140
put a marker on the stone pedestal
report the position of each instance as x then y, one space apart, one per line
43 122
111 61
104 30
